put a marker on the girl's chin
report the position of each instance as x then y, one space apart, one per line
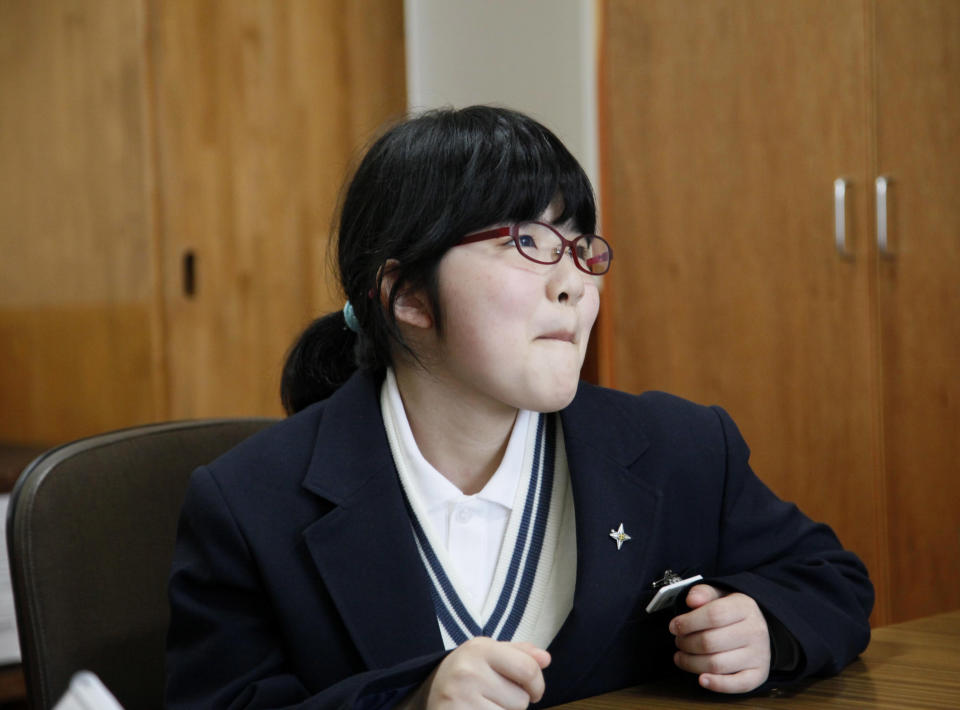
554 399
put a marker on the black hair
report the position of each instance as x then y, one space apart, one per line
423 185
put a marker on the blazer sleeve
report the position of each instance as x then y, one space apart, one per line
794 568
224 648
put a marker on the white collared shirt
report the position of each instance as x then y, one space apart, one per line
471 527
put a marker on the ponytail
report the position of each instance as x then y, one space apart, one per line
321 360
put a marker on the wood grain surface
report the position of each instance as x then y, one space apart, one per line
136 134
77 340
912 665
724 126
918 148
261 108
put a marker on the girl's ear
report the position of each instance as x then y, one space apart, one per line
412 306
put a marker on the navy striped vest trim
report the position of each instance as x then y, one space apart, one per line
512 602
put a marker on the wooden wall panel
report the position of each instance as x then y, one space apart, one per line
260 108
724 124
76 273
134 133
918 147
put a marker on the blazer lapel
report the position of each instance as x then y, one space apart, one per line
364 547
601 447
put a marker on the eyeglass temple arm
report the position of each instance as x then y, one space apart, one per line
489 234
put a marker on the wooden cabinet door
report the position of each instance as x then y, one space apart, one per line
918 149
79 346
723 127
260 109
137 137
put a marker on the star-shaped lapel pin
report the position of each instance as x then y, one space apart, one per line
619 535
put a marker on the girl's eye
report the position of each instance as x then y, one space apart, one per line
526 241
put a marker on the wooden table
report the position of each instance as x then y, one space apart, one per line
915 664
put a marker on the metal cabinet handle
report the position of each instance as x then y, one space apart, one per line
881 184
840 217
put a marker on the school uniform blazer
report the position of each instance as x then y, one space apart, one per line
296 581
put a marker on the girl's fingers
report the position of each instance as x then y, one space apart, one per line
729 662
727 638
502 693
518 665
701 594
541 656
742 682
722 611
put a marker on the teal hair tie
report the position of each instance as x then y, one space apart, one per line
350 317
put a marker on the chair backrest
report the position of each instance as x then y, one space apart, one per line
91 527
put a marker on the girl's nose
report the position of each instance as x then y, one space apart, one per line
565 281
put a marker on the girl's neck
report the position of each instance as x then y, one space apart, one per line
461 437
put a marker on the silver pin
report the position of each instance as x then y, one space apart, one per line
669 577
619 535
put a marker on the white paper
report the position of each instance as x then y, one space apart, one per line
86 692
9 643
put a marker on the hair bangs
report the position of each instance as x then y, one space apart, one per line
502 166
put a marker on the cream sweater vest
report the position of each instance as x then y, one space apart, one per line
532 589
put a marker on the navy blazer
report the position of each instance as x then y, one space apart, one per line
296 581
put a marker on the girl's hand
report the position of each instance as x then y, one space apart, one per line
483 673
724 639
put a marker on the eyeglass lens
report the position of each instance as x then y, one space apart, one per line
540 243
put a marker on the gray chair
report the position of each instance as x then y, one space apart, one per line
90 532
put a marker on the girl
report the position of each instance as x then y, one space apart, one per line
449 518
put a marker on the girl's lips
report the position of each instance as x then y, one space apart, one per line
558 335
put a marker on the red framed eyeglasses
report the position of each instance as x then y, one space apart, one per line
542 243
